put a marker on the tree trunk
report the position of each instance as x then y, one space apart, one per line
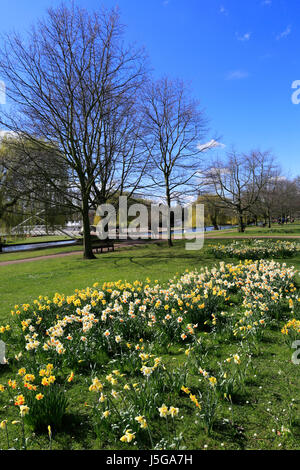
241 224
87 241
170 242
214 222
269 220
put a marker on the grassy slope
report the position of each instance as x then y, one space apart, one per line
22 283
276 383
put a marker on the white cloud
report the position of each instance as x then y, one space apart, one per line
2 92
244 37
284 33
187 200
209 145
4 133
237 75
280 178
267 2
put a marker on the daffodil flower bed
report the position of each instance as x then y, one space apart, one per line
116 339
256 249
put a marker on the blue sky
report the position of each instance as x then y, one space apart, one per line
239 56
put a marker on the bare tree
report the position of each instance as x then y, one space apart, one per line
174 127
286 199
239 181
267 199
69 86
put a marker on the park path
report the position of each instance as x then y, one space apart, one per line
136 243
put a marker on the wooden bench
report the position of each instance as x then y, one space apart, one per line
103 244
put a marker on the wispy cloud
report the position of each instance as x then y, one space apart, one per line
267 2
166 3
223 10
210 145
4 133
243 37
237 75
284 33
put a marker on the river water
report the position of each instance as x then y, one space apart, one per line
32 246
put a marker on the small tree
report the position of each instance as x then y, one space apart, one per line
239 180
286 199
267 199
174 127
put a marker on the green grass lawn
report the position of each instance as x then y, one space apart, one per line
275 230
22 283
246 423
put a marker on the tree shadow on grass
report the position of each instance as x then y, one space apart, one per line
151 259
226 430
75 428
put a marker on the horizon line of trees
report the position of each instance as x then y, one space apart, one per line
279 204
